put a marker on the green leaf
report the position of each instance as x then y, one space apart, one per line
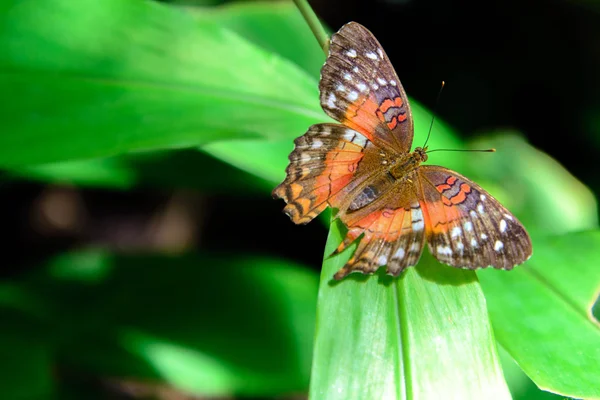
542 314
521 387
425 335
277 27
92 79
206 324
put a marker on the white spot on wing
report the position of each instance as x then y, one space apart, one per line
508 217
482 197
399 254
473 243
415 247
382 260
417 219
468 226
331 100
460 246
316 144
418 226
473 214
380 52
355 70
498 245
393 82
349 135
502 226
305 157
445 250
483 236
381 81
360 140
371 55
456 231
353 95
375 86
351 53
348 77
480 208
340 88
361 86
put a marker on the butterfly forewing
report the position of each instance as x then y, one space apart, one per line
323 168
359 88
466 226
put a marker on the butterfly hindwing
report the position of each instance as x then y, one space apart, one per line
323 167
393 234
466 226
360 89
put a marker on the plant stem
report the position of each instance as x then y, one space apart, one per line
314 24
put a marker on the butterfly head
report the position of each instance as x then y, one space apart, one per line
420 154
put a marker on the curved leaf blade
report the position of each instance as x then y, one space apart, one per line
90 79
425 335
542 313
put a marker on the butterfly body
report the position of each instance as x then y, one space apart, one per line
383 194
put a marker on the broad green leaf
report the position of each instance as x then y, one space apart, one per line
425 335
275 26
91 79
541 313
520 385
211 325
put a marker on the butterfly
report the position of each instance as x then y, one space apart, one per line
363 168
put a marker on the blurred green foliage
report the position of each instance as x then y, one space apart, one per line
106 94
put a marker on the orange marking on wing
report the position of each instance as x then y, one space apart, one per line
443 187
462 195
398 102
438 215
401 117
344 157
400 219
296 190
360 117
386 105
387 213
304 203
392 124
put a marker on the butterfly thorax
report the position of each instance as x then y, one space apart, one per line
407 164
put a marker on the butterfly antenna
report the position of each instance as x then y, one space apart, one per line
492 150
437 101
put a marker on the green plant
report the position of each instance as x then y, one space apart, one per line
101 93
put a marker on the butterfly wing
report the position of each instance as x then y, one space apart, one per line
392 228
466 227
359 88
323 169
